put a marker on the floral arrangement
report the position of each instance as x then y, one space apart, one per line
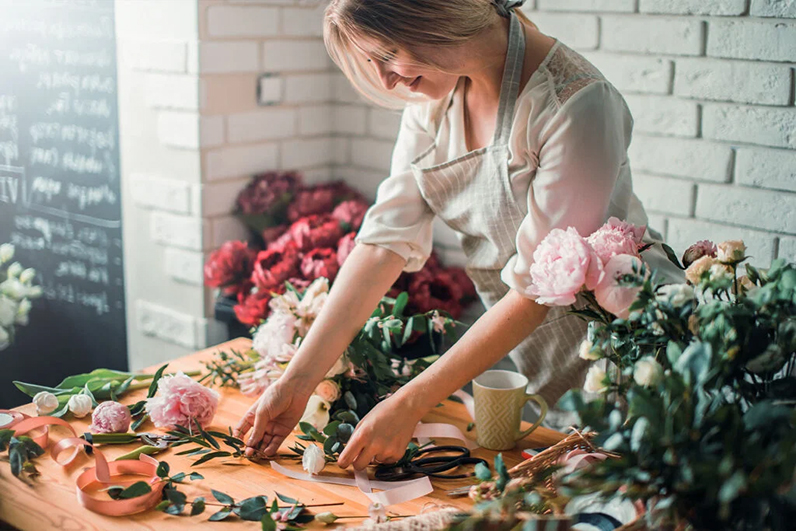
370 369
16 291
699 393
301 233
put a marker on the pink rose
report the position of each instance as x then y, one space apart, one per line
616 237
110 417
612 296
562 265
698 250
345 245
351 212
180 400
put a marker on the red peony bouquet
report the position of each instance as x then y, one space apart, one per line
303 232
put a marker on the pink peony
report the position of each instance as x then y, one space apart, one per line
345 245
321 262
612 296
110 417
698 250
180 400
562 265
616 237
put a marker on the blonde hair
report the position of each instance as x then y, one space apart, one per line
402 24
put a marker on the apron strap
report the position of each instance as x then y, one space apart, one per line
510 85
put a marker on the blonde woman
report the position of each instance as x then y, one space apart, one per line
507 134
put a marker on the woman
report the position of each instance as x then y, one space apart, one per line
509 135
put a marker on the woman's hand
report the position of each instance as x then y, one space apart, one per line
271 418
382 435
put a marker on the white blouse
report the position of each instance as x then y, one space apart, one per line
568 165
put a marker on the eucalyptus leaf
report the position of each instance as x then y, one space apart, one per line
153 387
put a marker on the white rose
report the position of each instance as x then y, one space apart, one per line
647 372
677 294
27 276
5 338
316 412
22 312
46 403
585 351
340 366
313 460
731 251
8 311
720 271
329 390
6 252
14 270
595 380
80 405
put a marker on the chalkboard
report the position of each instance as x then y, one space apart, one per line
60 200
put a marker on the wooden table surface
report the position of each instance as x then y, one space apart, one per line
50 503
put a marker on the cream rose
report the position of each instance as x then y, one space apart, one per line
694 272
731 252
677 294
647 372
313 460
587 351
595 380
329 390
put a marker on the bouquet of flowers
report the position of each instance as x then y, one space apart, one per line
698 399
369 370
306 232
16 291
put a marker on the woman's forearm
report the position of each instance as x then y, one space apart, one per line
486 342
365 277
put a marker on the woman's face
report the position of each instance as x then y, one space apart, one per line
398 67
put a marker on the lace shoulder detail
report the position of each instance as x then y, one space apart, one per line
571 72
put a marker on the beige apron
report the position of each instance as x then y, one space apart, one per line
472 194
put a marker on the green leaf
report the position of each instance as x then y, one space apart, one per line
220 515
408 330
223 498
139 488
733 487
670 254
197 506
482 472
175 509
177 478
32 389
208 457
138 422
153 387
673 352
80 380
400 304
350 400
162 505
252 509
196 476
331 428
163 469
328 445
268 523
174 496
502 472
286 499
694 362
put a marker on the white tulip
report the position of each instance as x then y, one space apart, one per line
80 405
5 338
8 311
585 351
46 403
6 252
647 372
677 294
595 380
313 460
22 312
316 412
27 276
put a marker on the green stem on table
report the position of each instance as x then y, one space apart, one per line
284 506
145 385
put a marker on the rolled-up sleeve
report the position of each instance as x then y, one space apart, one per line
401 220
582 151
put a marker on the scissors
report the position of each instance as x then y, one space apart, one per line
431 466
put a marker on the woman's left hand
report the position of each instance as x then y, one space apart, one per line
382 435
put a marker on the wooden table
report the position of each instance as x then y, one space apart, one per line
51 503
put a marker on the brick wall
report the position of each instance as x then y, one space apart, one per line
711 87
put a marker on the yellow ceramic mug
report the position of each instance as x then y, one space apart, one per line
499 399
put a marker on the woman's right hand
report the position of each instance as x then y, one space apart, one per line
271 418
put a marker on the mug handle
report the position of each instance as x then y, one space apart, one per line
542 414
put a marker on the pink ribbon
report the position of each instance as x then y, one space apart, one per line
102 473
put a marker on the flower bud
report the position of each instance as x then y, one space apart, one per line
647 372
595 380
14 270
46 403
731 252
588 352
80 405
27 276
6 252
313 460
326 518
